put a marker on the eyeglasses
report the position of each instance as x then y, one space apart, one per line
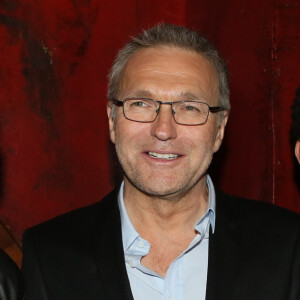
191 112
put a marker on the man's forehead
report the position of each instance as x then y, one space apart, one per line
185 95
186 75
154 57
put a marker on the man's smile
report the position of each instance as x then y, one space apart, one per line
168 156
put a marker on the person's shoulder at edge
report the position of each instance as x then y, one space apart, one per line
11 282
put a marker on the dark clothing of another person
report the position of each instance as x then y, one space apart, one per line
11 283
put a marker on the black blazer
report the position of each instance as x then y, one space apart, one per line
254 254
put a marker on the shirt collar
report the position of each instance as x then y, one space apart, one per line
211 204
129 234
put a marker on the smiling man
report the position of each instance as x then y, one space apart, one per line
166 233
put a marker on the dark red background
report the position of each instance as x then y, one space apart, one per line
54 60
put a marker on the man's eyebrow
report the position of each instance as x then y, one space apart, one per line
140 93
189 96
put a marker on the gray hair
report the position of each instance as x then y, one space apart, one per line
175 36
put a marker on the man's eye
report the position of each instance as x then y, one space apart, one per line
139 104
190 108
142 104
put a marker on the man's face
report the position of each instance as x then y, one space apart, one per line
166 74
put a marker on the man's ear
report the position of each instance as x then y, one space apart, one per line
221 131
111 120
297 150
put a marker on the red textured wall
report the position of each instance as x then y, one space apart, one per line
54 59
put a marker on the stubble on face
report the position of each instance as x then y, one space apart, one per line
172 185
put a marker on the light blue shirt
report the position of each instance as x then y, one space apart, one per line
186 276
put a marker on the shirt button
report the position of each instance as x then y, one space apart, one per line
141 244
131 263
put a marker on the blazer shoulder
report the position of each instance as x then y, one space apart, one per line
257 212
77 223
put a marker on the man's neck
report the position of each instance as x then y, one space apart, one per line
167 225
150 213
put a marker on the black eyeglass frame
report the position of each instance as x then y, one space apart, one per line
212 109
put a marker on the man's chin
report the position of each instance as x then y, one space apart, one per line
169 195
162 187
164 191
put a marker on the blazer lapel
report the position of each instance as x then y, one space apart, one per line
224 257
109 252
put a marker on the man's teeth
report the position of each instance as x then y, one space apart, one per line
163 156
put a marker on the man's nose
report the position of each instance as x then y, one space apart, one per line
164 127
